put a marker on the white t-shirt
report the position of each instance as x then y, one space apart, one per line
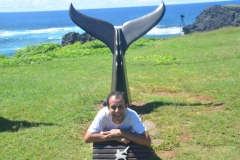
103 122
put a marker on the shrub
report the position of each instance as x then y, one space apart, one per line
3 56
36 49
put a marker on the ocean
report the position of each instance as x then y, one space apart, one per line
18 29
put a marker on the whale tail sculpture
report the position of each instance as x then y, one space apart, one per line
118 40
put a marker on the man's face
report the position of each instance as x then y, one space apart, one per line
117 109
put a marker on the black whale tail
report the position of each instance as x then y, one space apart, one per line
102 30
105 31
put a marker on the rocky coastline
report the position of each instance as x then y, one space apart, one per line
215 17
72 37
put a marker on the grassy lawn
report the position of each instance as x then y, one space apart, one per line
189 86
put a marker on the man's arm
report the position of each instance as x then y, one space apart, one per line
98 137
143 139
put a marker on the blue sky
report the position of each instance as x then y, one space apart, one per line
47 5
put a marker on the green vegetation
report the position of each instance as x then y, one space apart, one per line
188 86
36 54
233 5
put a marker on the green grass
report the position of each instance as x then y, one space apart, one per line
188 86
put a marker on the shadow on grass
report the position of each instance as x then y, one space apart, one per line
154 156
149 107
13 126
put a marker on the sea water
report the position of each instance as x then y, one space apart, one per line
18 29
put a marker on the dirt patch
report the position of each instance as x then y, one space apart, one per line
135 103
165 93
184 137
99 105
168 154
209 150
149 124
203 99
214 108
156 141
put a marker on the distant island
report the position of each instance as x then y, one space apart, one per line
215 17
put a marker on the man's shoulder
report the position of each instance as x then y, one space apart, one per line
130 111
102 114
131 114
103 111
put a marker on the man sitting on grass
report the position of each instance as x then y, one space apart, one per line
117 122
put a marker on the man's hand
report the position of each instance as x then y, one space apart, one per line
122 139
116 133
113 132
